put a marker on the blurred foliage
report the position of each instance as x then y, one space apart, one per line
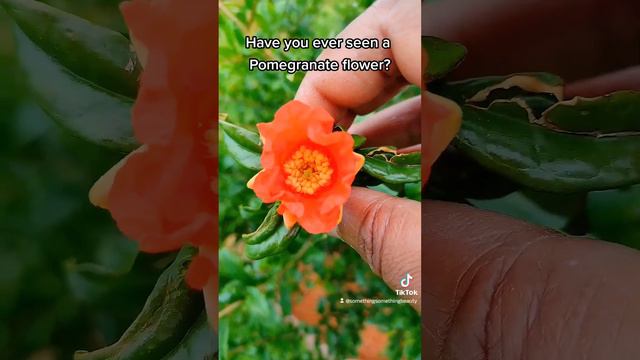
264 313
69 279
614 215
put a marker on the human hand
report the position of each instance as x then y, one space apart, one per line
498 288
383 229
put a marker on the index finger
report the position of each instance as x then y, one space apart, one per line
347 93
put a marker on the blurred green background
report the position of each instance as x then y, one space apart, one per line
65 282
288 306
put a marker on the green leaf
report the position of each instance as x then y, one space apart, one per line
259 308
614 215
170 311
413 191
240 154
537 104
271 237
268 226
383 152
384 164
199 343
484 89
252 209
285 300
384 188
224 338
99 55
611 114
88 111
444 56
232 291
243 145
231 266
248 139
390 172
545 209
115 257
501 139
358 140
413 158
276 243
257 304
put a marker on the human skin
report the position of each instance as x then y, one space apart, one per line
497 288
494 287
370 216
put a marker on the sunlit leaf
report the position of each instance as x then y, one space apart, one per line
358 140
277 242
389 172
244 137
244 156
244 145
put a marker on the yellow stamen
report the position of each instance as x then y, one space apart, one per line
308 170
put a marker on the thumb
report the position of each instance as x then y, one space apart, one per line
501 288
385 231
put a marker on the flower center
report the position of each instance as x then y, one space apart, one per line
308 170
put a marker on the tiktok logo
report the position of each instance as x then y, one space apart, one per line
406 280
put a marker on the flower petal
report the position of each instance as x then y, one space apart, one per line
297 126
289 219
162 198
99 192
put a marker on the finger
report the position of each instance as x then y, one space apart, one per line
456 240
385 231
410 149
575 39
347 93
626 79
397 125
498 286
441 119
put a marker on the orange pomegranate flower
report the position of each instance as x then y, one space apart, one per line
164 195
306 166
